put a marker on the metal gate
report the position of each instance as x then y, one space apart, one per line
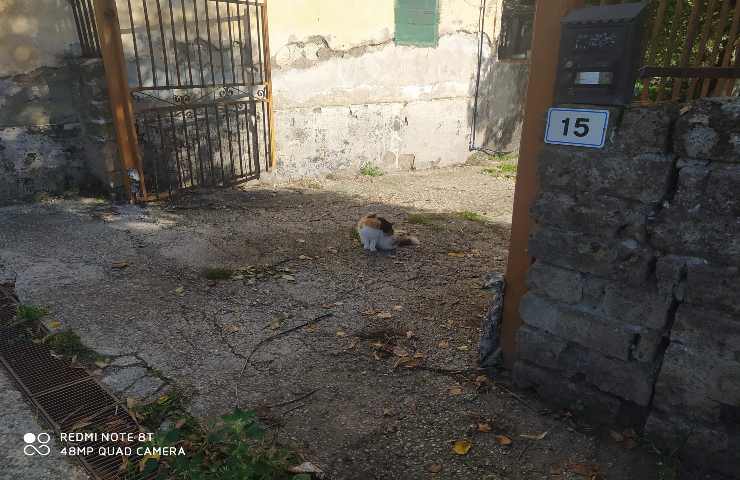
199 76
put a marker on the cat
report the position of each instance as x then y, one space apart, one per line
376 233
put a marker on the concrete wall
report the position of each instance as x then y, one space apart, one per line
346 95
633 312
55 131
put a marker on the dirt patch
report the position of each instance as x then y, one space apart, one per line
365 362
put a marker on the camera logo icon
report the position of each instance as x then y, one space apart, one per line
37 444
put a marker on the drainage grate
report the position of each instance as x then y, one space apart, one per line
68 398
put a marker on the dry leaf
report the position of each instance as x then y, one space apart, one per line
435 468
463 348
480 380
305 467
462 447
311 327
456 390
180 423
180 290
456 254
400 352
503 440
534 436
231 328
119 265
300 240
584 469
387 412
384 315
304 257
54 324
289 278
397 307
276 323
101 363
418 355
130 403
340 333
443 344
409 334
618 437
484 427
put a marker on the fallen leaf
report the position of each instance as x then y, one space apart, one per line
616 436
180 423
455 390
387 412
276 323
341 333
180 290
443 344
462 447
300 240
435 468
304 257
484 427
311 327
101 363
130 403
289 278
539 436
503 440
385 315
463 348
480 380
409 334
231 328
119 265
583 469
400 352
146 458
55 324
397 307
456 254
418 355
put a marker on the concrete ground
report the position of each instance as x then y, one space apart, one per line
380 380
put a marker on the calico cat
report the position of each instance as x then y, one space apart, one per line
377 233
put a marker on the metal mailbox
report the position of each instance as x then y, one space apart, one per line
600 53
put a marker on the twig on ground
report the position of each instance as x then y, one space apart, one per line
297 399
280 334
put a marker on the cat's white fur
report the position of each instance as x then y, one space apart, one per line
374 239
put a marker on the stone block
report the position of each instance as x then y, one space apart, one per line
710 446
701 367
600 215
710 130
575 396
709 188
694 233
644 308
643 177
406 161
573 324
624 260
646 129
632 381
699 282
555 282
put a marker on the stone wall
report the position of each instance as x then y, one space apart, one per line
56 132
633 310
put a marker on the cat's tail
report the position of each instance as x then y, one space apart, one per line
407 241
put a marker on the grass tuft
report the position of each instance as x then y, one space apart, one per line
420 219
370 170
30 313
472 216
219 273
68 344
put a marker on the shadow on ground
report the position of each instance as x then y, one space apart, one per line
380 388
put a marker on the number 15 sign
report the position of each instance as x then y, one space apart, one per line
577 127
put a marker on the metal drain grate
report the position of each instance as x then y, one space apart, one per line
68 398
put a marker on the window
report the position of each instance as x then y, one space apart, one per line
517 20
417 22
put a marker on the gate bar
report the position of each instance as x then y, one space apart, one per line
268 85
540 96
116 76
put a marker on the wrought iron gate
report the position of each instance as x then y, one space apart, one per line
199 79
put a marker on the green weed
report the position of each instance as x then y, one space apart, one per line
505 170
218 273
68 344
420 219
30 313
370 170
472 216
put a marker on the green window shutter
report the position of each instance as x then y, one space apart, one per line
417 22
